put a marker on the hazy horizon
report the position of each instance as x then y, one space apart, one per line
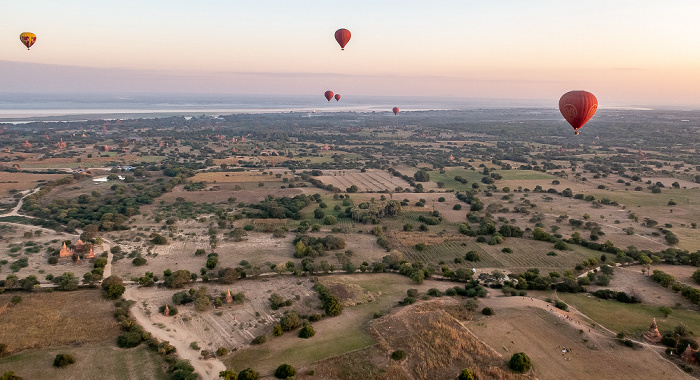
628 53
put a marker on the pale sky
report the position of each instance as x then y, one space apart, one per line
643 52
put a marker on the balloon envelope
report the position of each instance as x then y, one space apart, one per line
395 110
329 95
28 39
337 97
342 36
578 107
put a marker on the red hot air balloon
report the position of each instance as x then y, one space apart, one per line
395 110
578 107
329 95
342 36
337 97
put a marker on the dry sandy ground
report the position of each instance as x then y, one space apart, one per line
207 369
631 281
523 324
231 327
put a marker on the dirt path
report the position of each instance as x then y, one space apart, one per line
15 211
207 369
108 268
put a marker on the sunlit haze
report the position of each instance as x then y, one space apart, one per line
626 52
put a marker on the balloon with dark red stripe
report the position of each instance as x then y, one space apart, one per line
578 107
342 36
337 97
329 95
395 110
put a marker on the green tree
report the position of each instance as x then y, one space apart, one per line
466 374
520 362
63 360
696 276
307 331
285 371
10 376
113 287
248 374
421 176
66 282
228 375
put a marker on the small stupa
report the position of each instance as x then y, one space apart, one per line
90 255
653 335
229 298
687 355
166 312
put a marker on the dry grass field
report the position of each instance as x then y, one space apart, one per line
24 181
93 362
522 325
56 319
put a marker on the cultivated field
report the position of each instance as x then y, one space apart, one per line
373 180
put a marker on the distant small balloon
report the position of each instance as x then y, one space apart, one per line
578 107
337 97
28 39
395 110
342 36
329 95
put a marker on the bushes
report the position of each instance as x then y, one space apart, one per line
331 303
488 311
561 305
63 360
248 374
466 374
398 355
129 340
260 339
113 286
307 331
520 362
619 296
285 371
139 261
472 256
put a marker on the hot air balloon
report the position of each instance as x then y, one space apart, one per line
329 95
337 97
342 36
395 110
28 39
578 107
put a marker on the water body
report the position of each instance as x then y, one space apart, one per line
54 107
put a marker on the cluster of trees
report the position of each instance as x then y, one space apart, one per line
687 291
285 207
331 304
608 294
678 340
107 212
307 246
